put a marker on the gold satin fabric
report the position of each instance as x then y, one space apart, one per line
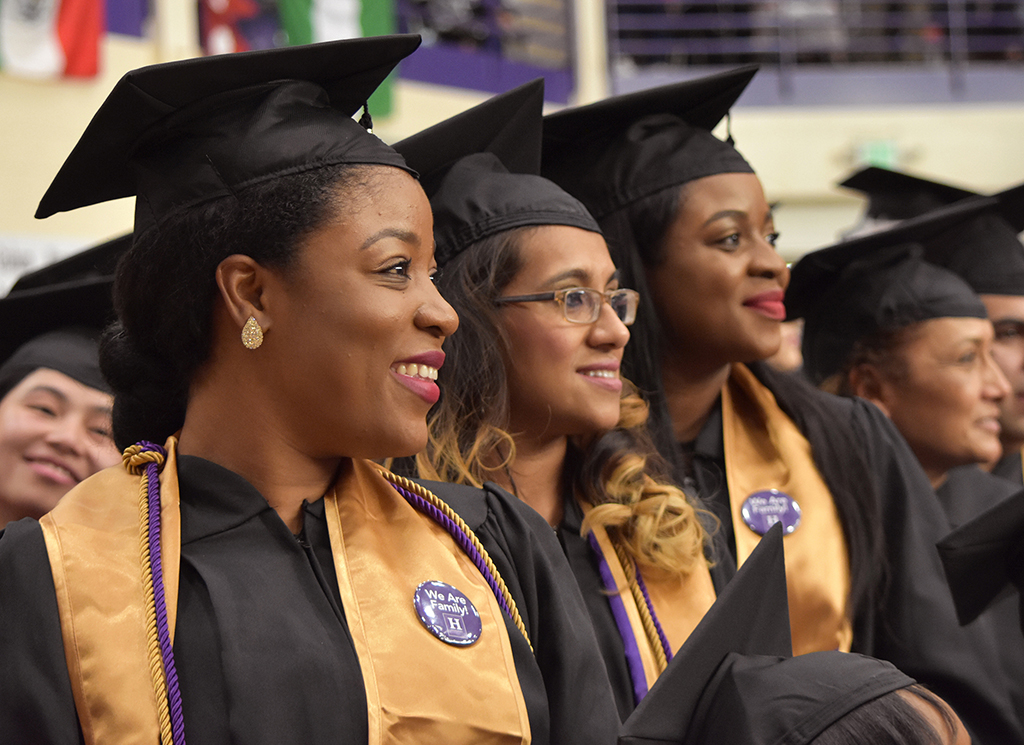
679 602
424 691
765 450
418 688
93 541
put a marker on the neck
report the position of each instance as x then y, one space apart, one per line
691 392
1010 447
221 428
936 477
536 475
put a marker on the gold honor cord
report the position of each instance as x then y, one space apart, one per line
135 461
448 512
651 631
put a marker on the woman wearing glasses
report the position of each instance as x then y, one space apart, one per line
532 395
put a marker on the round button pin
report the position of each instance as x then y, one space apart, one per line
763 509
447 613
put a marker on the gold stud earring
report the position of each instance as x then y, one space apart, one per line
252 334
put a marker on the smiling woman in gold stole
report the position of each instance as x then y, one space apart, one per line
249 575
690 228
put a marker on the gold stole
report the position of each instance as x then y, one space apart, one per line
378 540
679 602
418 688
765 450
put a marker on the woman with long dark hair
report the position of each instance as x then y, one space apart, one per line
689 227
532 396
250 575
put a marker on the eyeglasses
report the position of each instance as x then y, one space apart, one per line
583 305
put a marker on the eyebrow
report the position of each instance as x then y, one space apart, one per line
739 214
579 275
406 236
51 390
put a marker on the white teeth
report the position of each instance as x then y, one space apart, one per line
417 371
602 373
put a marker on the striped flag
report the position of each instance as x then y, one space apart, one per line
50 38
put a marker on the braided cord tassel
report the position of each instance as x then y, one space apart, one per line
430 504
146 459
652 628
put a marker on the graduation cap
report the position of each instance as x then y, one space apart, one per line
735 680
53 316
984 558
876 282
181 133
984 250
480 169
619 150
894 195
97 262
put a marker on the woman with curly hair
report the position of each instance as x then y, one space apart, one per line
533 399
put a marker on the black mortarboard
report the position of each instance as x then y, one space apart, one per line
734 679
984 556
614 152
876 282
180 133
480 168
97 262
894 195
985 250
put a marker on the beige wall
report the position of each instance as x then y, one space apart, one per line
798 153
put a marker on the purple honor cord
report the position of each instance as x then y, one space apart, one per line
156 571
629 641
460 537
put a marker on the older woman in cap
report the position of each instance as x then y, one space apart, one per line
249 574
689 226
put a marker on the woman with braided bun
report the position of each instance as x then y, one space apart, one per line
250 575
532 397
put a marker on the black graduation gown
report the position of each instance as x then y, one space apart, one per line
1011 468
288 672
585 568
915 627
967 492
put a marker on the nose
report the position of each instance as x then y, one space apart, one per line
997 387
68 435
608 331
436 315
766 262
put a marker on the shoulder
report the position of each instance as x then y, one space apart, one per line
490 504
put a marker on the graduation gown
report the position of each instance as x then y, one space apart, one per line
290 673
967 492
1011 467
584 563
915 625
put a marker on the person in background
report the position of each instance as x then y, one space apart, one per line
690 228
533 399
987 253
913 338
55 406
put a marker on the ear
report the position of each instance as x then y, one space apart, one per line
242 282
866 381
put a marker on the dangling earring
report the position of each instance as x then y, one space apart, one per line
252 334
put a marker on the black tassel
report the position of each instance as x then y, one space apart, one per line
366 121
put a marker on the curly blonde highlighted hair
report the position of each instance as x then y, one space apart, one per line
619 473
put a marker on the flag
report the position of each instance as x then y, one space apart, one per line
50 38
